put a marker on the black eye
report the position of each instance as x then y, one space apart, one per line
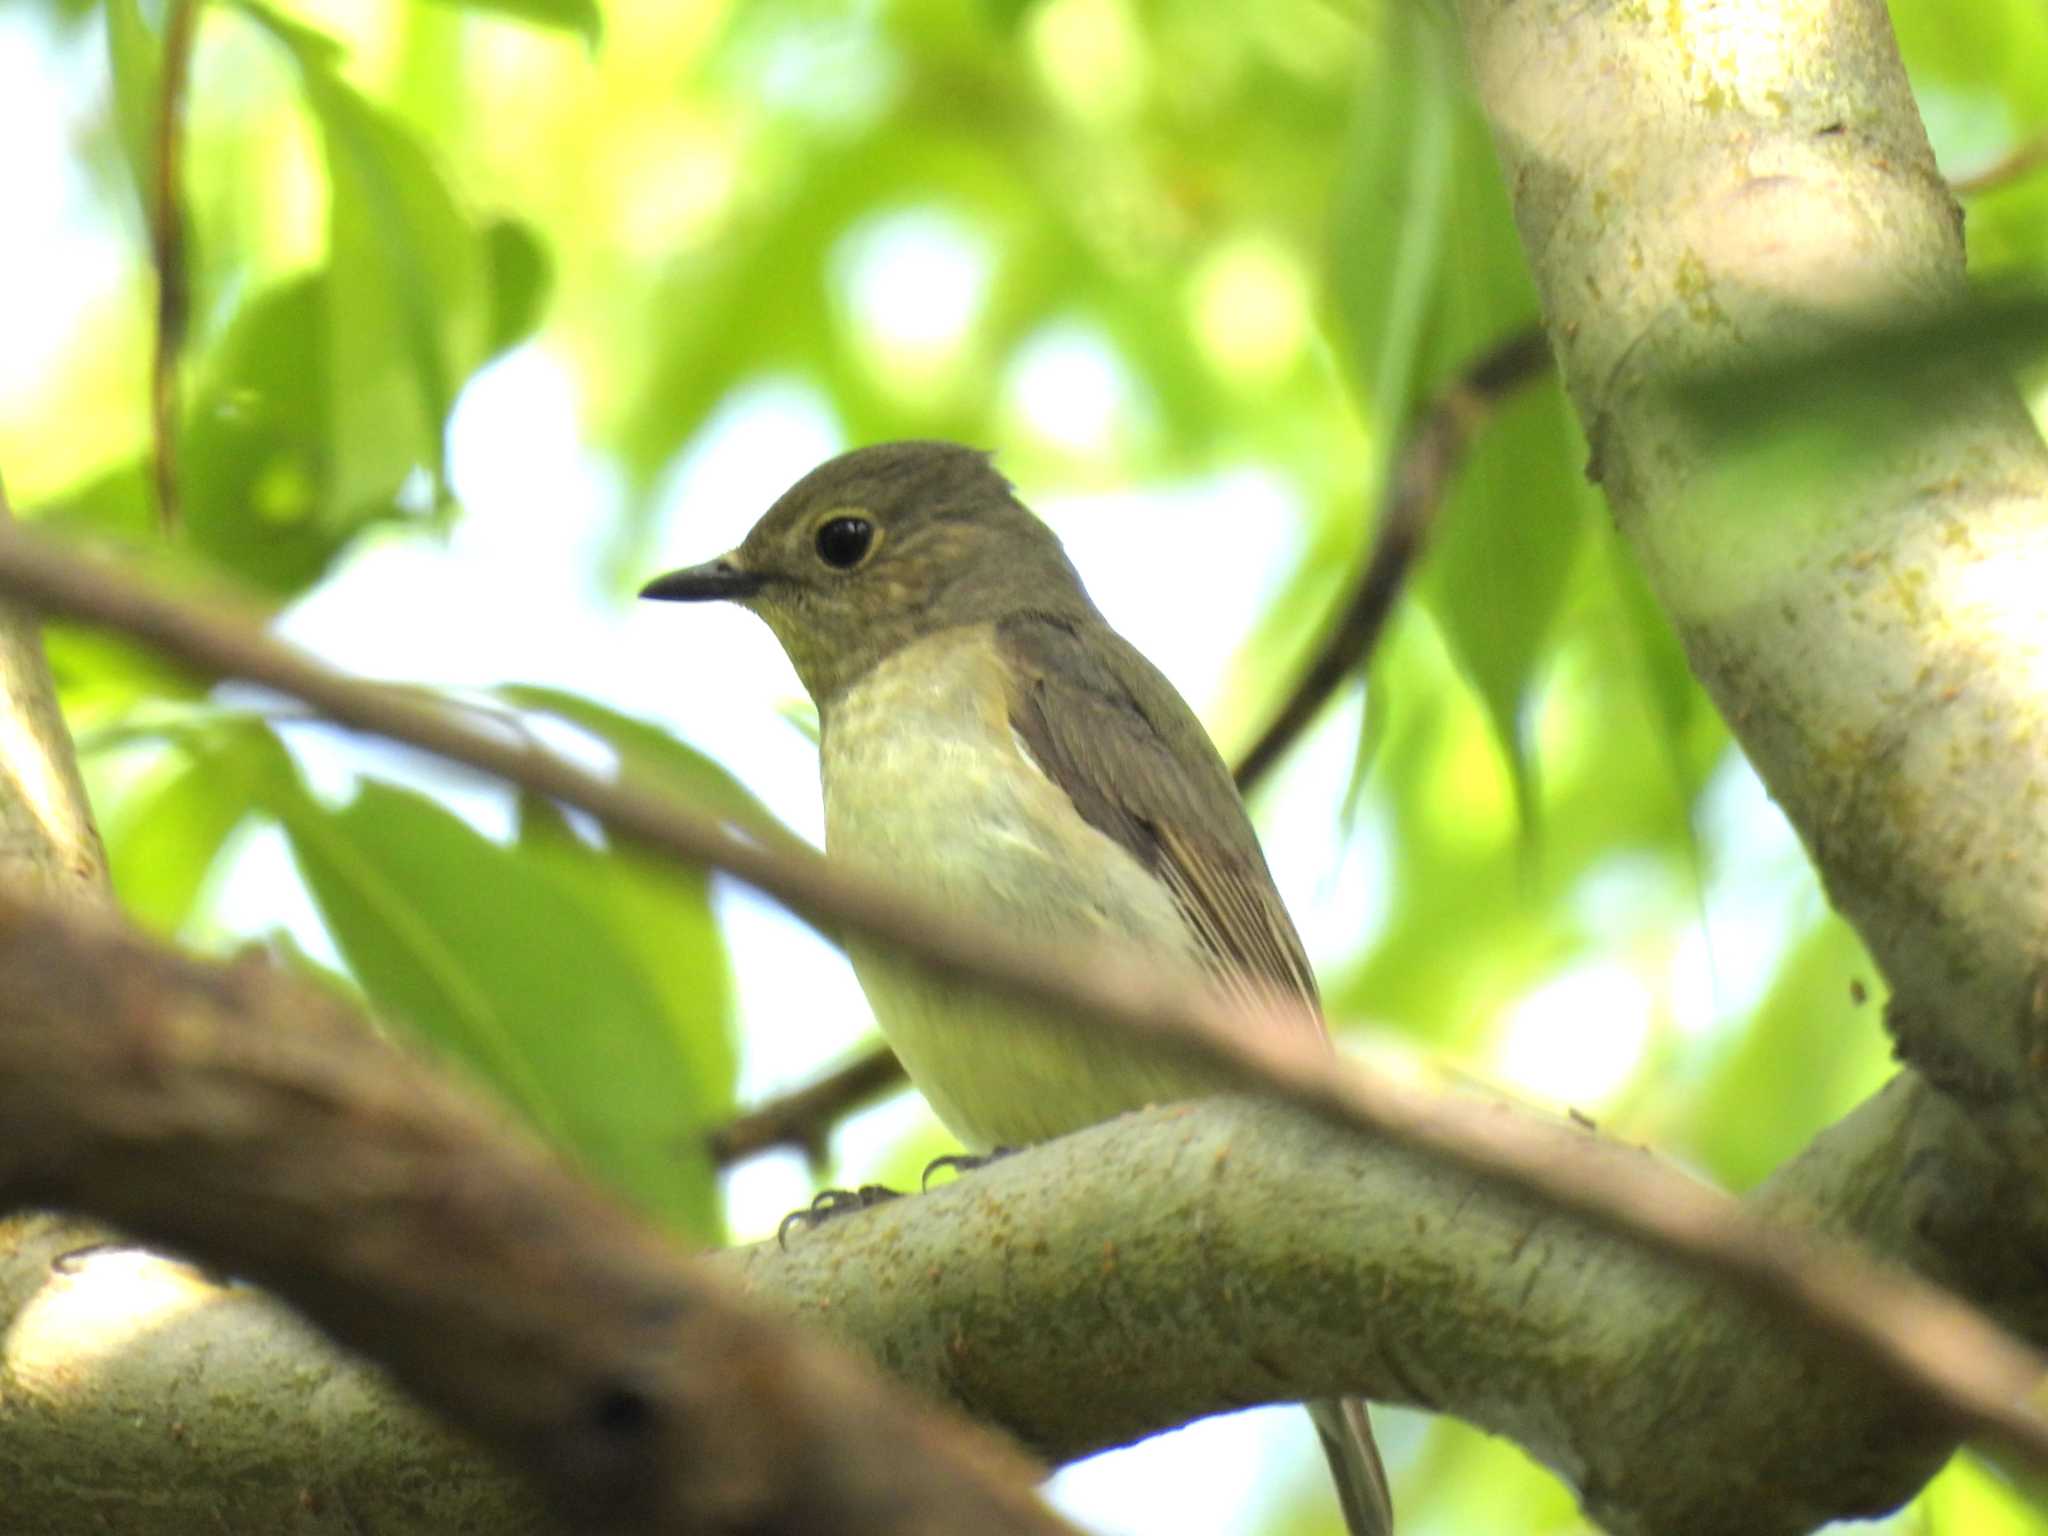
844 541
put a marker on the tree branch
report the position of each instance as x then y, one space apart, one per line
236 1114
48 843
1184 1261
804 1117
1875 639
1230 1253
167 253
1423 474
1929 1345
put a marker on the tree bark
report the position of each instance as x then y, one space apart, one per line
1703 187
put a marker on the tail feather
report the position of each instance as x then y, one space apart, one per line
1346 1433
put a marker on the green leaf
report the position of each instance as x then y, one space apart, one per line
1427 272
1813 1051
407 308
1502 557
579 16
520 277
114 504
163 840
265 495
652 755
403 277
490 954
659 914
1393 202
135 63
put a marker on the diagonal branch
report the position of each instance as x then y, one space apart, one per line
238 1114
1423 473
1930 1346
167 253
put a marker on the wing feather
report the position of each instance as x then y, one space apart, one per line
1110 731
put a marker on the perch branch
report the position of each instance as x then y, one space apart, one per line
1925 1341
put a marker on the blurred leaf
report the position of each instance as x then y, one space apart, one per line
1985 1491
659 760
520 277
1813 1050
403 275
113 504
164 841
491 956
1392 202
309 46
1995 45
1428 272
407 314
1008 15
1856 382
134 61
579 16
1502 557
263 495
660 914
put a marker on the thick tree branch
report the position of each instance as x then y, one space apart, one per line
1230 1253
1929 1345
1876 640
1181 1261
238 1115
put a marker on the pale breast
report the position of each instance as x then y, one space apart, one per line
926 786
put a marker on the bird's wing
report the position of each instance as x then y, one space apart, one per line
1110 731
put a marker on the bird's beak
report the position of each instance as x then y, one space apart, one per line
723 579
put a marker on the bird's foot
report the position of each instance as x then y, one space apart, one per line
834 1202
962 1162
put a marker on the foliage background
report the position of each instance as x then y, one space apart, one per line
498 308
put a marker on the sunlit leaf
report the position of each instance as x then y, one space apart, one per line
258 460
579 16
659 915
657 758
1393 201
406 307
133 51
520 276
1812 1051
497 960
164 840
1427 273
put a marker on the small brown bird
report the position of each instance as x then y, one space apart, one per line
988 741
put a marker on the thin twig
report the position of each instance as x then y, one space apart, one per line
1934 1346
804 1117
167 252
2022 161
1422 477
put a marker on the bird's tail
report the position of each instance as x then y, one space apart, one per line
1346 1433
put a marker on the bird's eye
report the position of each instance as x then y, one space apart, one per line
844 541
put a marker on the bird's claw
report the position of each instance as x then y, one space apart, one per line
834 1202
962 1162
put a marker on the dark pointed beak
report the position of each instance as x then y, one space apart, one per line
719 580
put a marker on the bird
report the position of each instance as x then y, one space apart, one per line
987 740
